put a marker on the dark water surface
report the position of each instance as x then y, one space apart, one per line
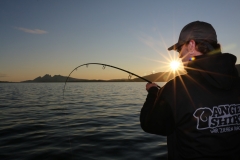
93 121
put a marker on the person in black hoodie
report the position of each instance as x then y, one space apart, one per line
199 111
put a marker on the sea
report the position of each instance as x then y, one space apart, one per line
89 121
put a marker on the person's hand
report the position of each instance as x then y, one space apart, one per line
149 85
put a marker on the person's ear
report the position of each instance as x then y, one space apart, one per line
191 46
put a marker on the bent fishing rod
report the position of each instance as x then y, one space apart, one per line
103 67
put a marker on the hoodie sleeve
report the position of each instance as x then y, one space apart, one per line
156 116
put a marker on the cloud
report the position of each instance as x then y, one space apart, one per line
2 75
32 31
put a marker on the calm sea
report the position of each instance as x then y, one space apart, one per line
92 121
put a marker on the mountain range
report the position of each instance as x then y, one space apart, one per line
157 77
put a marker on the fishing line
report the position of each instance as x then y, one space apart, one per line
103 67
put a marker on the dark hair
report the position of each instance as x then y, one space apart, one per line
207 47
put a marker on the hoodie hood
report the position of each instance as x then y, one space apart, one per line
218 70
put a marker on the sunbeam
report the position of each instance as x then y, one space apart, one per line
174 65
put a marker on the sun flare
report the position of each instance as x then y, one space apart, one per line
174 65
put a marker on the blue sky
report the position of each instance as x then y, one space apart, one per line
39 37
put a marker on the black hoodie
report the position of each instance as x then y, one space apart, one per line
198 111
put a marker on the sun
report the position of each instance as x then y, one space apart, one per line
174 65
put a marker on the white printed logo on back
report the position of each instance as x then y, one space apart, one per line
220 119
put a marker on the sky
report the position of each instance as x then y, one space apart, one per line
39 37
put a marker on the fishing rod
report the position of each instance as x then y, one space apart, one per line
103 67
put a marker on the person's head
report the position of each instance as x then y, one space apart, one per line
196 38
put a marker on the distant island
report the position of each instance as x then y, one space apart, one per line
5 82
157 77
